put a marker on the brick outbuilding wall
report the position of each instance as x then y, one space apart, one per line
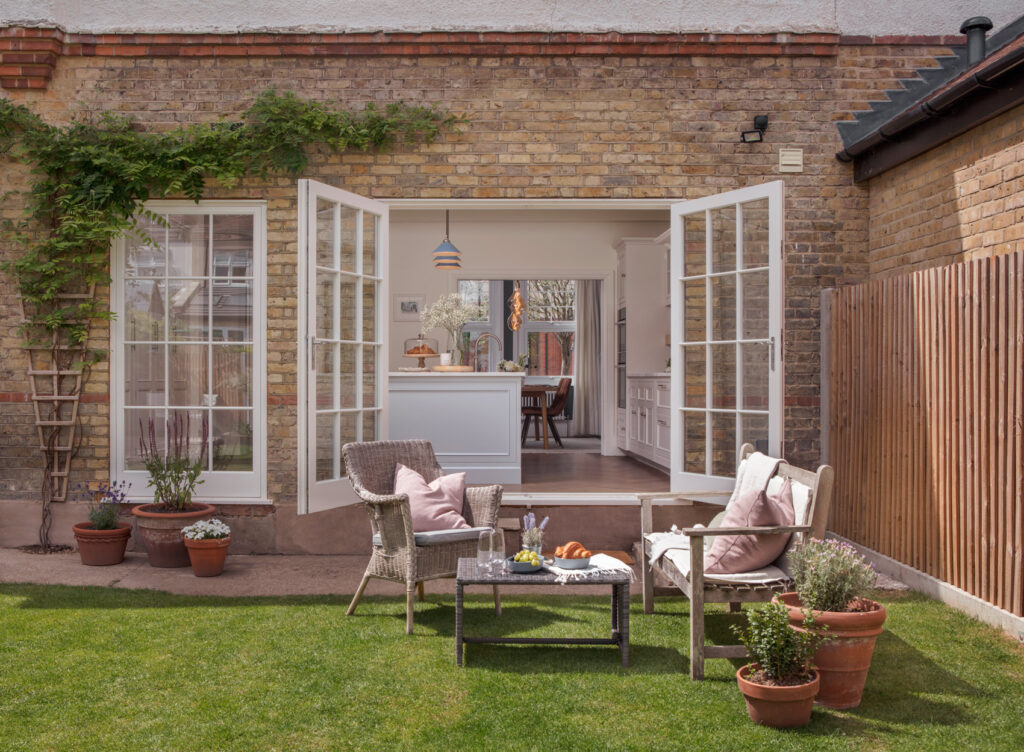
959 201
601 122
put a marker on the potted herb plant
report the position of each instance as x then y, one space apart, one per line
103 539
207 542
779 686
831 581
173 476
533 534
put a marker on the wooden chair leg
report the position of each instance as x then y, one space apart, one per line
646 575
526 430
554 432
419 591
497 601
408 608
358 595
697 635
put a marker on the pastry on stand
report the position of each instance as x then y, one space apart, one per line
421 348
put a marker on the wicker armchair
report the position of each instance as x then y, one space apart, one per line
399 554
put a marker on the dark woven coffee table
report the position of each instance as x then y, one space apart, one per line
469 574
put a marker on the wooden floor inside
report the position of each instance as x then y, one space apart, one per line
554 471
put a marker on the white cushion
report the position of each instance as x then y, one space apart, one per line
437 537
764 576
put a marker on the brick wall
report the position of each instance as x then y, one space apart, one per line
541 126
958 201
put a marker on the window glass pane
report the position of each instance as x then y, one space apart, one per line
326 430
369 310
694 244
755 431
144 375
232 244
144 310
187 369
188 243
551 300
370 418
755 375
349 222
694 436
188 309
185 428
755 233
326 246
347 311
231 440
370 376
326 385
723 307
723 376
695 298
476 292
723 239
694 376
723 444
755 305
138 423
232 375
370 239
144 250
551 353
325 323
347 375
348 423
232 311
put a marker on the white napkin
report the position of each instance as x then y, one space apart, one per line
599 564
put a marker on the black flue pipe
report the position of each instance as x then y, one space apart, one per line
976 28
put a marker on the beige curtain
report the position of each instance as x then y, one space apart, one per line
587 400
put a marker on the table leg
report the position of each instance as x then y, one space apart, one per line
458 624
544 419
624 623
615 611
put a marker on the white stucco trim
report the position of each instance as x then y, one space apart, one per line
870 17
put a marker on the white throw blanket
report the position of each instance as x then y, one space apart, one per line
599 564
753 474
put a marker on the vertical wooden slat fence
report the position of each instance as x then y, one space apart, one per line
927 422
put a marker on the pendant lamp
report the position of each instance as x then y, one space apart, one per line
447 256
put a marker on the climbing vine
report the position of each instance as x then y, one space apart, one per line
90 179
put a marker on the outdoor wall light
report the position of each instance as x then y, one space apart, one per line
755 136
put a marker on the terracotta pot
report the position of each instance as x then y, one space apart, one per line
208 555
778 707
843 659
101 548
161 532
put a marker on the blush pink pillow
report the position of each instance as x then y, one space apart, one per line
733 554
434 506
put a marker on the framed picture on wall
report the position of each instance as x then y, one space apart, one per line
407 307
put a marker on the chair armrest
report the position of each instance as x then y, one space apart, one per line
484 502
373 498
688 496
701 532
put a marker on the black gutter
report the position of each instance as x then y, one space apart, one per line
992 88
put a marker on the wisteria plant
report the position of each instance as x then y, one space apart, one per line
830 575
206 530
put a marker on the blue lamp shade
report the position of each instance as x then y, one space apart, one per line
447 256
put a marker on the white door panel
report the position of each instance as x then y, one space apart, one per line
342 361
726 290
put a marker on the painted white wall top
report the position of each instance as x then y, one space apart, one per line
872 17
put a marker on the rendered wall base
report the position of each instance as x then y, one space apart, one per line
346 530
942 591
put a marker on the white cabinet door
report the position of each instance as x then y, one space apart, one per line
342 335
727 380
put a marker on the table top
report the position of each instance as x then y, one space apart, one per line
469 574
538 388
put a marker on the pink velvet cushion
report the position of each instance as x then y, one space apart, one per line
733 554
434 506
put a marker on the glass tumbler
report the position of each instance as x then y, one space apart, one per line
497 550
484 550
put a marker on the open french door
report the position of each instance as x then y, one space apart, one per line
726 295
342 328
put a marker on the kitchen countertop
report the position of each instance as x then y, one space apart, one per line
458 374
660 375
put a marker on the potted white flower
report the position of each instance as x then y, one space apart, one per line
451 313
207 542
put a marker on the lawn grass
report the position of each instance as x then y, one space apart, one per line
104 669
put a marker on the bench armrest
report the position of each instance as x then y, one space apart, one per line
701 532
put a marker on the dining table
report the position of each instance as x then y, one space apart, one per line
538 395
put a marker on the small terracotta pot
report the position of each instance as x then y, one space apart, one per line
845 657
161 532
778 707
101 548
208 555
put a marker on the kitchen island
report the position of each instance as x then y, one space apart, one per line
472 420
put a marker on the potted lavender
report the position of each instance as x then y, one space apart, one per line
103 539
533 534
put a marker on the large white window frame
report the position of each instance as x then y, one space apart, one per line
221 487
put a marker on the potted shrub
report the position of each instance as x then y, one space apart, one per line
173 475
831 580
207 542
779 686
103 539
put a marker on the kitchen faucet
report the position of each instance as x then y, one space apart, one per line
476 346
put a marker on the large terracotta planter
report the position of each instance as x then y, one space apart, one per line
161 532
207 556
778 707
101 548
845 657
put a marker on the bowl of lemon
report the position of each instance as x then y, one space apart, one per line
525 562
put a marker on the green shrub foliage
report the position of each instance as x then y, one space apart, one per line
783 653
